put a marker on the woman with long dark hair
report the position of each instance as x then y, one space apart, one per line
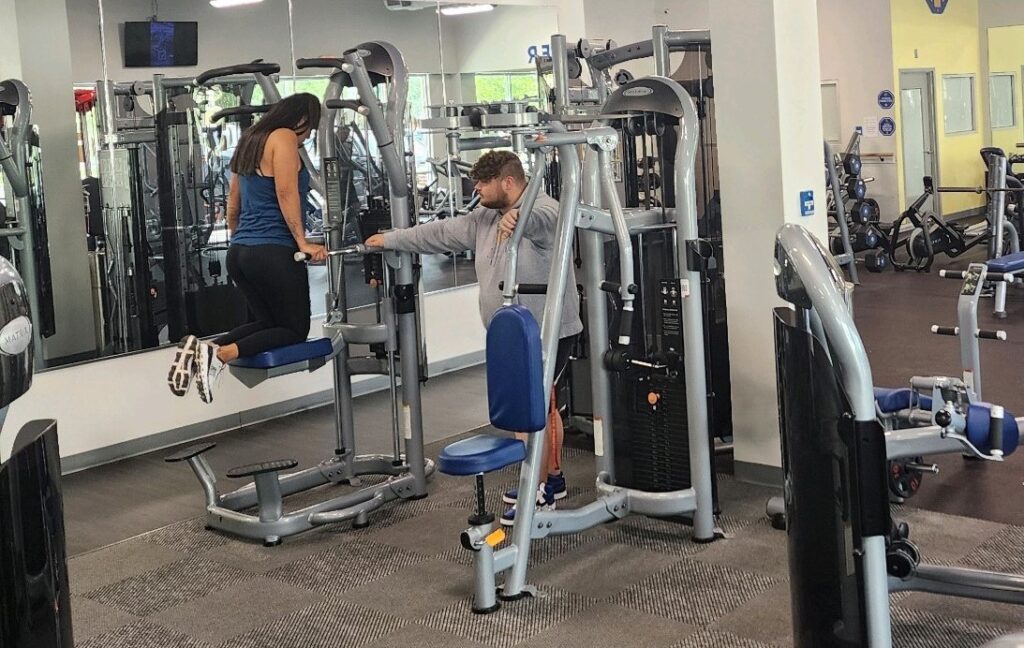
266 222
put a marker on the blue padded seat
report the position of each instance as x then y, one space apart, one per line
515 371
480 454
286 355
1008 263
894 400
977 428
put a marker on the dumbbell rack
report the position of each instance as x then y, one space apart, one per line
838 211
856 216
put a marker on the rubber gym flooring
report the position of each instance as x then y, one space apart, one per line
144 573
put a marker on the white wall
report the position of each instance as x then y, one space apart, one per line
762 65
472 37
10 54
101 404
855 45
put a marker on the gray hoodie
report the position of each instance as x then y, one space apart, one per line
478 231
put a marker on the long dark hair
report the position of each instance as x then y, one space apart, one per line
294 112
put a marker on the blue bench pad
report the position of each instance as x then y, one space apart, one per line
480 454
308 350
1008 263
894 400
515 371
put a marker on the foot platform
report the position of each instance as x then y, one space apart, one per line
263 468
190 452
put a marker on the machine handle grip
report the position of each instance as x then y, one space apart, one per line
238 110
358 248
952 274
531 289
991 335
328 62
946 330
256 67
625 326
995 430
349 104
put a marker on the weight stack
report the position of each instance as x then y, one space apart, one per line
652 449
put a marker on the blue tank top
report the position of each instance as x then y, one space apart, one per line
261 221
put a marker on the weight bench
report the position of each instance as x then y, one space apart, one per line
1007 265
978 431
516 403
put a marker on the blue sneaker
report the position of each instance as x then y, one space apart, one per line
556 482
545 502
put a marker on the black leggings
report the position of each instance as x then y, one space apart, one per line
276 289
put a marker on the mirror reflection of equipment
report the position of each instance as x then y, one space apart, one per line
23 238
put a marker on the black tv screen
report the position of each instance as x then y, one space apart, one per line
161 44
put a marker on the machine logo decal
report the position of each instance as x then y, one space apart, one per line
641 91
16 336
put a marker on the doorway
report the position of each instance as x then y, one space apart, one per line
917 114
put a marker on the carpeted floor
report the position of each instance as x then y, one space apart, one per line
405 581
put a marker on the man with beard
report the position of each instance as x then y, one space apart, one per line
501 182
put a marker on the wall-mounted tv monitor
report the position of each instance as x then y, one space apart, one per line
161 44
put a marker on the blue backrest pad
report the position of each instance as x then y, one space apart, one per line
515 371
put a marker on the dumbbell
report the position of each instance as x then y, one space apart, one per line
860 240
862 212
876 261
856 188
852 164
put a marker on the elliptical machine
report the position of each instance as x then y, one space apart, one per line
930 234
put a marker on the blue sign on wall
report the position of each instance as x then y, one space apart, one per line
937 6
533 51
807 203
887 126
886 99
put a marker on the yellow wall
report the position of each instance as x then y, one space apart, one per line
947 43
1006 54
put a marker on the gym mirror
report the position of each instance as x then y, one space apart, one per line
489 55
154 156
326 28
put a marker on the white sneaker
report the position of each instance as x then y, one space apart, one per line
208 370
183 368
